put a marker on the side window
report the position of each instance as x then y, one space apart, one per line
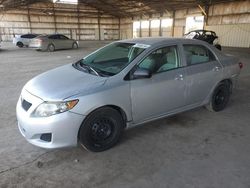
31 36
63 37
24 36
196 54
53 37
161 60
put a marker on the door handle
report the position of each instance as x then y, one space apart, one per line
216 69
179 77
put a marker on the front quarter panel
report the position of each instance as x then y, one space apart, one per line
113 92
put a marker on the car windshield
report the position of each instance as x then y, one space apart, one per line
111 59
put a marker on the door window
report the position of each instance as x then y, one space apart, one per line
161 60
196 54
53 37
63 37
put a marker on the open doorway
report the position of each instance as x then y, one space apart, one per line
194 23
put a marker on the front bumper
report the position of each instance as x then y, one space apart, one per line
63 127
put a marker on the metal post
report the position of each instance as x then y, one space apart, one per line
160 29
99 26
78 21
29 18
173 24
149 28
119 28
140 31
54 16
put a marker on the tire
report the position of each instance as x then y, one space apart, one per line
51 48
218 46
74 45
220 98
20 44
101 130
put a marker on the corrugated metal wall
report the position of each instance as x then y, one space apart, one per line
233 35
231 22
67 19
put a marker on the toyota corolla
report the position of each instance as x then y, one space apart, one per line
123 84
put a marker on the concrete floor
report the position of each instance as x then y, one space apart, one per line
193 149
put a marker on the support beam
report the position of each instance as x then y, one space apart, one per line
206 17
160 28
78 21
149 27
29 21
54 16
140 31
119 28
99 25
173 24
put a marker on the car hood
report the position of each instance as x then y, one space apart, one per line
63 82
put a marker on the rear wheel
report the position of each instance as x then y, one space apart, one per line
101 130
219 98
20 44
74 45
51 48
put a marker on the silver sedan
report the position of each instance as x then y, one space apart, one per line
52 42
121 85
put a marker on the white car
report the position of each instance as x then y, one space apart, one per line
23 40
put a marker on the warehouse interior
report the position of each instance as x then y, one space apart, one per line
113 20
192 149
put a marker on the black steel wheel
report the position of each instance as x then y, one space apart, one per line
101 130
220 97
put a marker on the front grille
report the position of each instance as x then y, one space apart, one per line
26 105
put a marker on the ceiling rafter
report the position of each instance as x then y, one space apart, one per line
122 8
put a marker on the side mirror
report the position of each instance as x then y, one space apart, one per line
141 73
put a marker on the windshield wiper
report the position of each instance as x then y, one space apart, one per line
89 68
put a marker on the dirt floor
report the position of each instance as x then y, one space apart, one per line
197 149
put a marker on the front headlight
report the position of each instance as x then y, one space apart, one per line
51 108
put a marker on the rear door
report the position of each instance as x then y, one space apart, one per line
164 91
55 40
203 72
65 42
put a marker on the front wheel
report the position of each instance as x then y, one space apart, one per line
101 130
219 98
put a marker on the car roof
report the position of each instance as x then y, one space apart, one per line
156 40
201 30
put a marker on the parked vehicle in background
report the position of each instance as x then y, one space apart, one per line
53 42
123 84
23 40
204 35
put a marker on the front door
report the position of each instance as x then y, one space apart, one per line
164 92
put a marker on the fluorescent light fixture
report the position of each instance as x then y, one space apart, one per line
66 1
